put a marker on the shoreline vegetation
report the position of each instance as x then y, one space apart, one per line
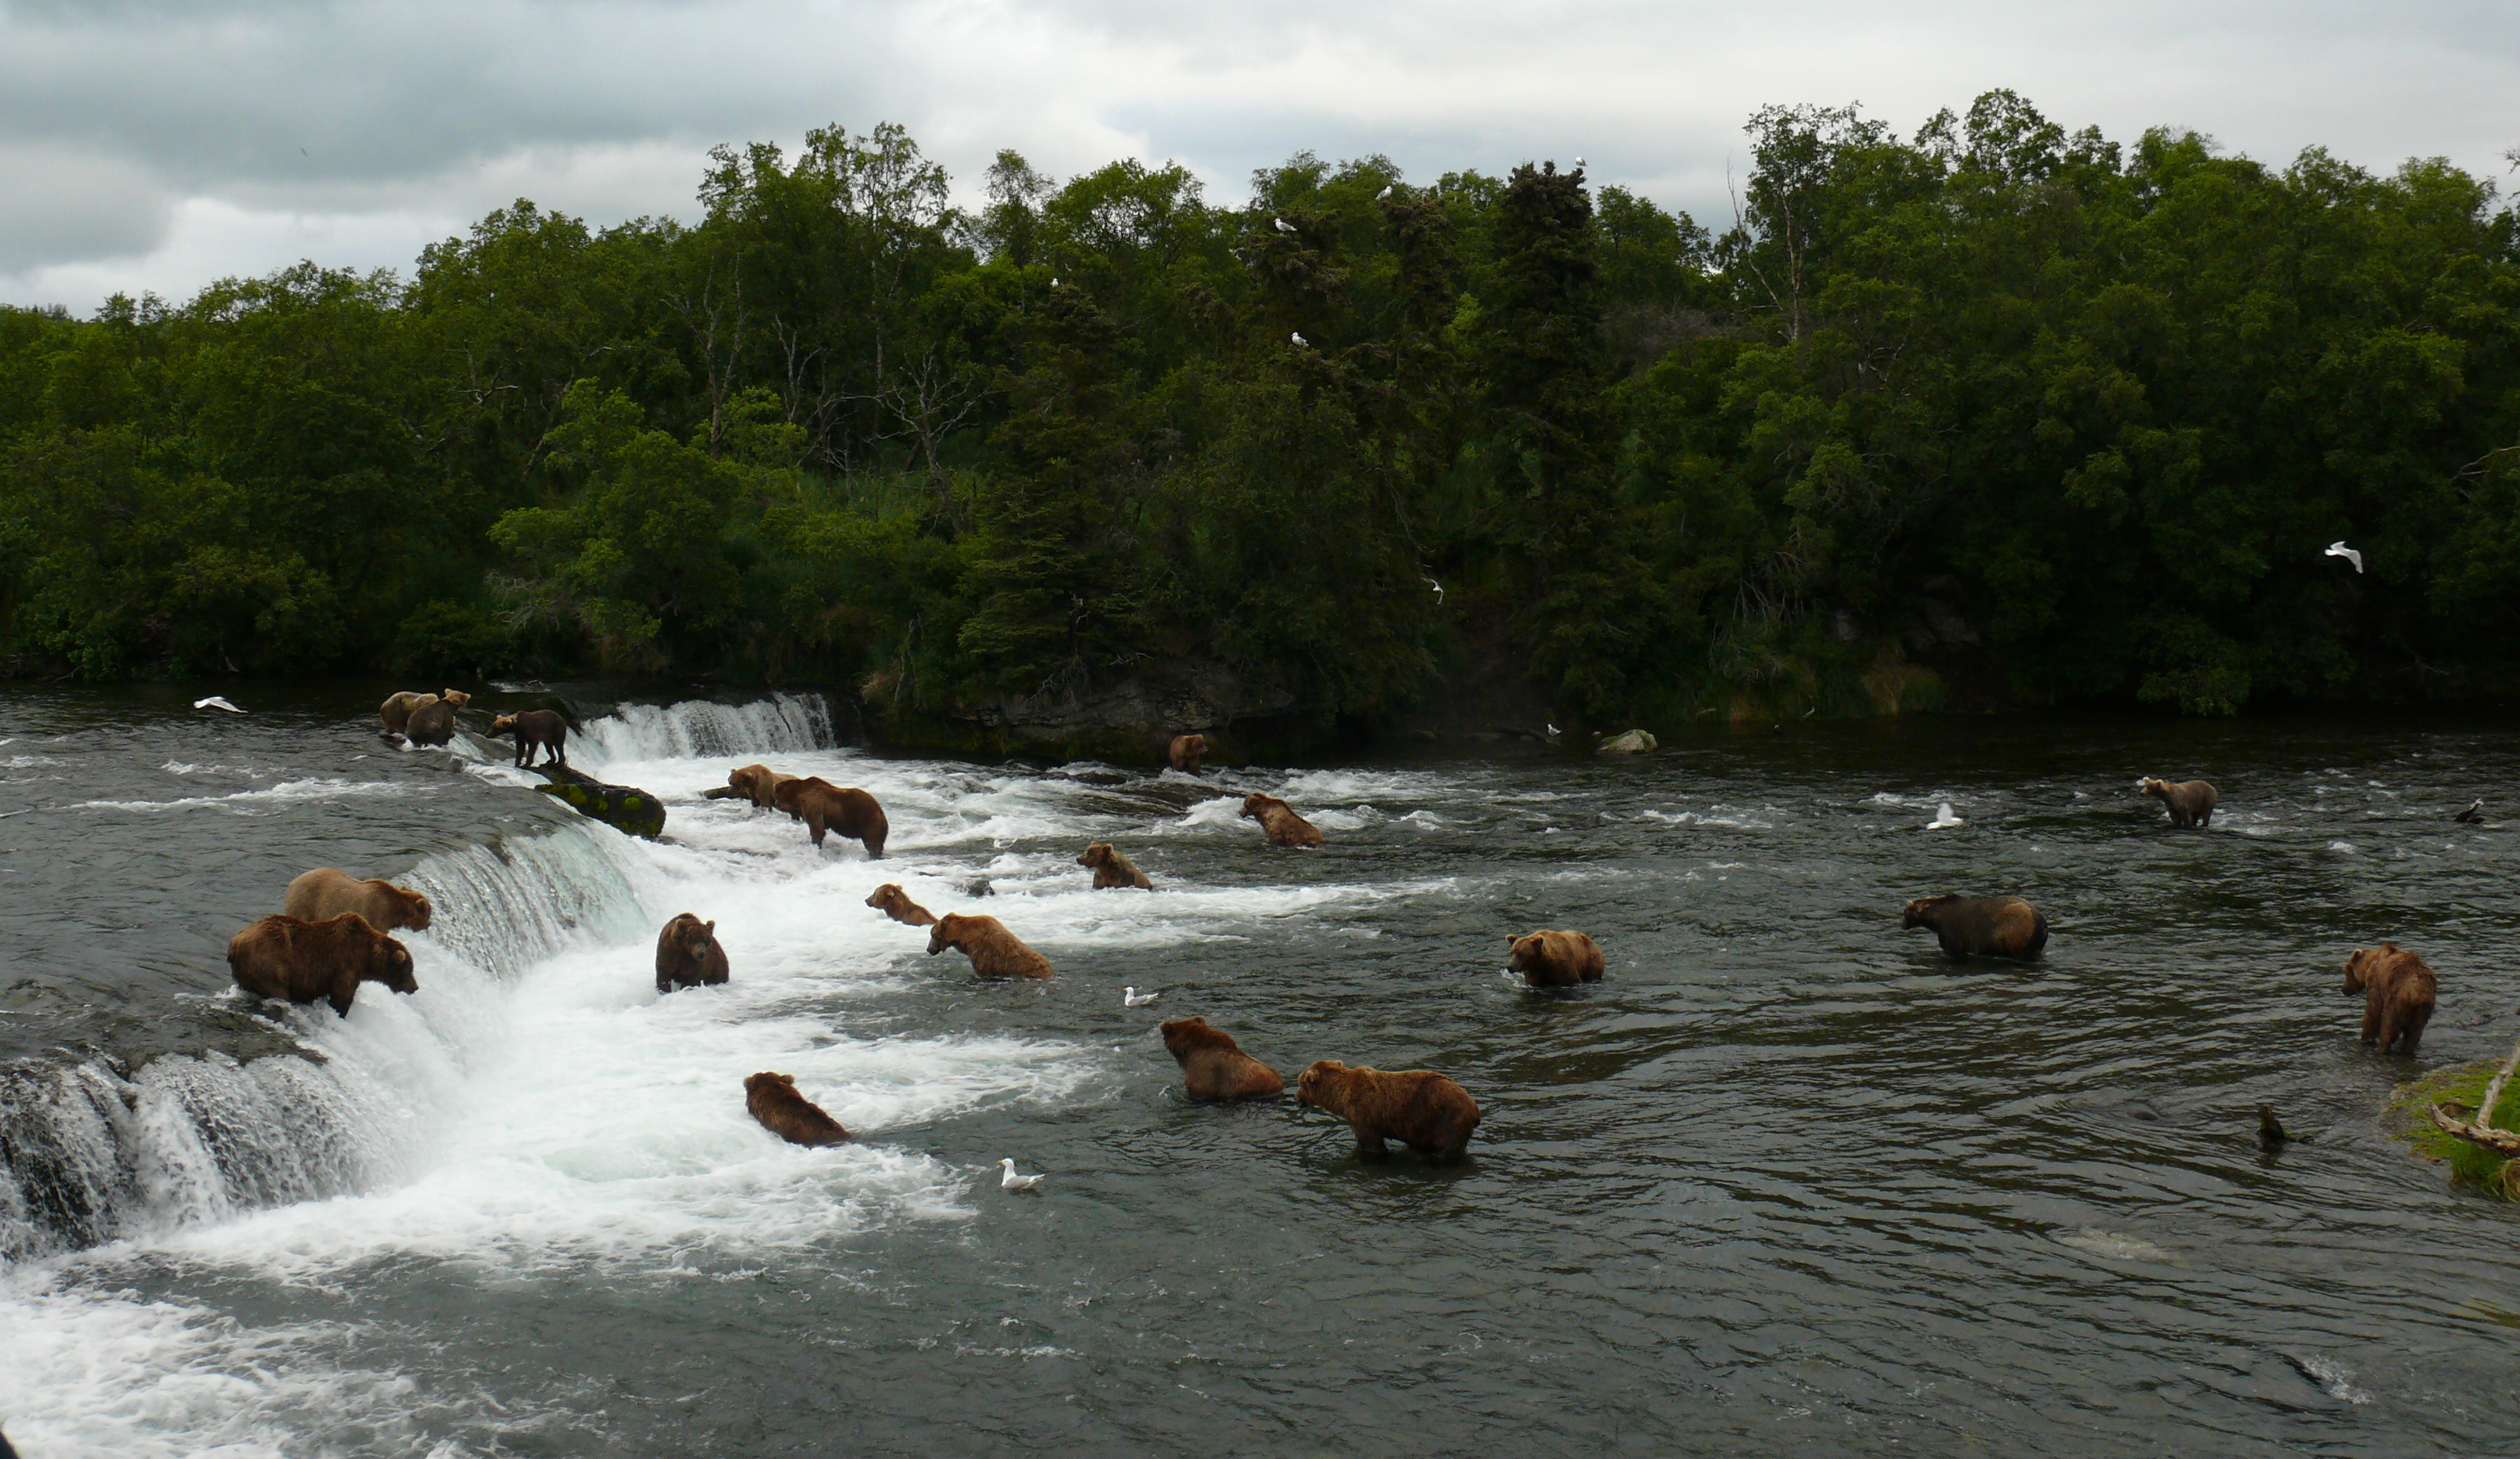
2459 1087
1992 416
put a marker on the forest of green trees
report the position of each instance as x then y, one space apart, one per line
1994 414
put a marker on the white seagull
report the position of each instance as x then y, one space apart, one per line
1385 193
1300 341
216 703
1013 1182
2339 549
1579 161
1437 586
1131 998
1282 225
1945 820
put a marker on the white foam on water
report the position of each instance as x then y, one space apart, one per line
2112 1246
2332 1375
248 803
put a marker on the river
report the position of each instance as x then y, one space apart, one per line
1786 1182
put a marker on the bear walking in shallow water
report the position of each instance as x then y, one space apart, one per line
2191 803
2398 990
994 951
1214 1067
792 1117
1113 869
321 894
1418 1107
1980 925
301 961
825 807
687 954
1555 959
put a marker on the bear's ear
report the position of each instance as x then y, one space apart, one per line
710 928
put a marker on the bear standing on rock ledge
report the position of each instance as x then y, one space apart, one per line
301 961
2191 803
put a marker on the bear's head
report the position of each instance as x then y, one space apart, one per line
1194 743
410 908
1186 1036
1256 806
1320 1083
948 932
455 696
1923 911
889 897
755 1083
2157 789
1097 855
502 724
391 965
1527 951
2365 966
688 933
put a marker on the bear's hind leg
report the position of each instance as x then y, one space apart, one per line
2415 1031
1368 1142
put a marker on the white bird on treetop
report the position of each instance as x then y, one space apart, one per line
1013 1182
1130 997
1300 341
1282 225
1385 193
2339 549
216 703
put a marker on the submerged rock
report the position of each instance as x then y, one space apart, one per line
1634 742
620 806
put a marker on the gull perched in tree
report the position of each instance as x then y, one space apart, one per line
1013 1182
1437 586
216 703
2339 549
1300 341
1385 193
1283 226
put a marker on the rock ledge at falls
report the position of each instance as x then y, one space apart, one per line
620 806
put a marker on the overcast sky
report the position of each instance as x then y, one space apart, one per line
159 144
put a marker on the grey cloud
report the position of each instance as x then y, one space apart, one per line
69 204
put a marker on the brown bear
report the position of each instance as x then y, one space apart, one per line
792 1117
1186 752
396 712
1418 1107
546 730
1111 869
759 784
324 893
2191 803
994 951
2397 988
1279 819
1980 925
895 903
825 806
1214 1068
1555 959
433 724
301 961
687 954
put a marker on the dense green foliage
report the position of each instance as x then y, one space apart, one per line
1998 411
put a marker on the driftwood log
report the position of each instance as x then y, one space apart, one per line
2455 1120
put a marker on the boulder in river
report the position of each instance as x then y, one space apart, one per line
1634 742
621 806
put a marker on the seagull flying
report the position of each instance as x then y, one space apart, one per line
216 703
1944 820
2339 549
1013 1182
1437 586
1579 161
1282 225
1300 341
1385 193
2474 813
1132 998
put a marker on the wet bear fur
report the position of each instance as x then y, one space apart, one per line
324 893
895 903
1279 819
1419 1108
2398 989
823 807
396 712
994 951
1980 925
1214 1068
792 1117
1113 869
2191 803
301 961
1555 959
433 724
1186 752
759 784
535 729
687 954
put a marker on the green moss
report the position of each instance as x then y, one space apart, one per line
2464 1084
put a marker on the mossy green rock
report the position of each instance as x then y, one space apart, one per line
620 806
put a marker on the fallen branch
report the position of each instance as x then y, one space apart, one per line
2476 1131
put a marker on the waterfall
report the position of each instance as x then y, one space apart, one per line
510 903
697 729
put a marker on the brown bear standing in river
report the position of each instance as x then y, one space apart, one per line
1111 869
1980 925
1279 821
823 807
535 729
792 1117
301 961
1214 1068
1418 1107
1185 751
2191 803
324 893
895 903
687 954
395 712
2398 989
1546 959
433 724
994 951
759 784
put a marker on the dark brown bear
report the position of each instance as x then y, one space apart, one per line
1111 869
1980 925
2191 803
2397 988
1418 1107
433 724
1214 1068
687 954
1555 959
1186 752
994 951
396 712
1279 819
301 961
535 729
792 1117
324 893
895 903
823 807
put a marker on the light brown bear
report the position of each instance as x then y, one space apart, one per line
1279 819
1186 750
1979 926
1418 1107
1555 959
2398 989
759 784
396 712
687 954
994 951
895 903
1214 1068
301 961
2191 803
1111 869
823 807
324 893
433 724
792 1117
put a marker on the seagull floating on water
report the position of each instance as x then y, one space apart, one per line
1945 820
1282 225
1132 998
1013 1182
2339 549
216 703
